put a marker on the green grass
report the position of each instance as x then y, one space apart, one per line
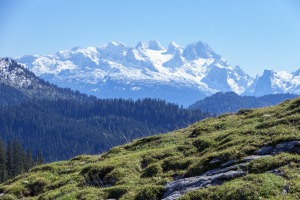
142 168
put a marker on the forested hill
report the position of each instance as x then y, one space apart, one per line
65 128
18 84
229 102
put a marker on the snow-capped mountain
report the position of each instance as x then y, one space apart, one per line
275 82
177 74
18 83
15 75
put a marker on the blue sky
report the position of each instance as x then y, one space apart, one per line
254 34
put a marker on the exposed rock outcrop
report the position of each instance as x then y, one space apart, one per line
227 171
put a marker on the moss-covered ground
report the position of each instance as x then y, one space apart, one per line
141 169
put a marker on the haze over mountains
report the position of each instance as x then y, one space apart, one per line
177 74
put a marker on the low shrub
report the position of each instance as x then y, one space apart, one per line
202 143
115 192
96 175
244 111
176 164
152 170
151 192
37 186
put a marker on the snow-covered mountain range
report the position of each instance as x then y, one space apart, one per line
177 74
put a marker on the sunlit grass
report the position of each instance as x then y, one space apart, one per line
142 168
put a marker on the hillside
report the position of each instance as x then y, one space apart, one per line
18 84
230 102
253 154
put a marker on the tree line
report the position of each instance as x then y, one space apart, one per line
14 159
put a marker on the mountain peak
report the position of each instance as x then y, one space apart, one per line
115 47
174 48
4 61
152 44
75 48
116 44
16 79
15 75
199 50
268 73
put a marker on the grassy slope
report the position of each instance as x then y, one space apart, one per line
141 169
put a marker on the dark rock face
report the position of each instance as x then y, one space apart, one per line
289 147
265 150
228 170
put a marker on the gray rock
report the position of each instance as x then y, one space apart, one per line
264 150
215 160
276 171
291 146
177 188
223 170
285 190
254 157
217 176
228 163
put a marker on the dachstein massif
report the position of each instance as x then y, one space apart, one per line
176 74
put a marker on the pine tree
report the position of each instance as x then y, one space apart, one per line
3 170
9 160
18 158
39 158
14 160
28 162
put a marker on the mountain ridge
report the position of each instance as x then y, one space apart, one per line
18 84
141 70
230 102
